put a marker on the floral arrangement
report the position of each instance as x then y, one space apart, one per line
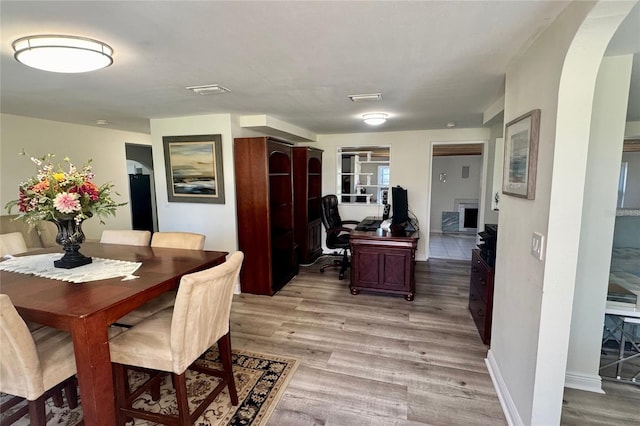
57 194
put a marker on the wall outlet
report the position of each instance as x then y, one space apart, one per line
537 245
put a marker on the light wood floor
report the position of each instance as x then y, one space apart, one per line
380 360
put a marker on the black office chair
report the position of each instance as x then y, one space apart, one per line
337 233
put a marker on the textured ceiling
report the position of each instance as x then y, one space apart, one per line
433 61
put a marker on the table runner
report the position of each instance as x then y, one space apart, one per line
41 265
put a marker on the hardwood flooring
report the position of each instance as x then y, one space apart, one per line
380 360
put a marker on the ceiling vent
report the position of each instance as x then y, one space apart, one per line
366 97
208 89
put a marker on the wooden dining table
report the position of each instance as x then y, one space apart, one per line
88 309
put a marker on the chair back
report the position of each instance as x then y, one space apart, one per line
201 311
179 240
12 243
20 370
330 215
126 236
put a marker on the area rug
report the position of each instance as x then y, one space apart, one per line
260 380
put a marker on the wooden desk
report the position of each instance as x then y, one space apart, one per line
86 310
383 262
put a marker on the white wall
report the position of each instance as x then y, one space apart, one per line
598 217
216 221
444 194
410 154
80 143
533 299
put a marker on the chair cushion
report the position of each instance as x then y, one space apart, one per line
146 344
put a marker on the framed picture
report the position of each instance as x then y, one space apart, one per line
194 168
521 155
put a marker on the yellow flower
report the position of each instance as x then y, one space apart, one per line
58 176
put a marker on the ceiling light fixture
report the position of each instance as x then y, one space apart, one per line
375 118
61 53
208 89
451 124
366 97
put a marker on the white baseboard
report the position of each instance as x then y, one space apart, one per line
585 382
508 406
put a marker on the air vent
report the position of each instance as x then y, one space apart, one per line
366 97
208 89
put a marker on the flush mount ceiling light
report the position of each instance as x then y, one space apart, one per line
365 97
60 53
451 124
375 118
208 89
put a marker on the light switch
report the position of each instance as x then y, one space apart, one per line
537 244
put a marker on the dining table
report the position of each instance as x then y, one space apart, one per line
87 310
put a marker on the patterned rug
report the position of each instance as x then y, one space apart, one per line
260 380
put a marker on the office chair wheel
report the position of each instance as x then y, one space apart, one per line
409 297
341 276
355 291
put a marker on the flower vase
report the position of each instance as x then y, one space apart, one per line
70 236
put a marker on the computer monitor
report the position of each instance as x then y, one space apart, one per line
400 205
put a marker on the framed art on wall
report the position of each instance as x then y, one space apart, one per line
194 168
521 155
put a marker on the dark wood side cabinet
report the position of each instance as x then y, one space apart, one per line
383 262
264 200
481 295
307 183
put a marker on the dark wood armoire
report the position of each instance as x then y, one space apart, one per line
264 199
307 182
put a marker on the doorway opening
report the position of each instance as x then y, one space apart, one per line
456 194
142 198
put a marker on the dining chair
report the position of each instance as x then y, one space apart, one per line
125 236
172 340
34 366
12 243
179 240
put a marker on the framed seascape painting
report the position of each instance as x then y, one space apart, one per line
521 155
194 168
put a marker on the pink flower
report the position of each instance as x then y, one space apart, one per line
66 202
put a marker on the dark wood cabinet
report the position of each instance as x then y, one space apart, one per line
264 200
307 181
383 262
481 295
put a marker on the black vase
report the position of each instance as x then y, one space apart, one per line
70 236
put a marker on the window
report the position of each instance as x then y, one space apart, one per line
363 174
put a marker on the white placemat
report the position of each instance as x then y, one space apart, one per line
41 265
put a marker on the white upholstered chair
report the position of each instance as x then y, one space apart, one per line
126 236
34 365
179 240
173 339
12 243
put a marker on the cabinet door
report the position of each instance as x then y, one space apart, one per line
383 268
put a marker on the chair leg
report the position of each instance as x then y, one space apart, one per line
71 392
37 414
121 385
180 381
56 396
224 347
